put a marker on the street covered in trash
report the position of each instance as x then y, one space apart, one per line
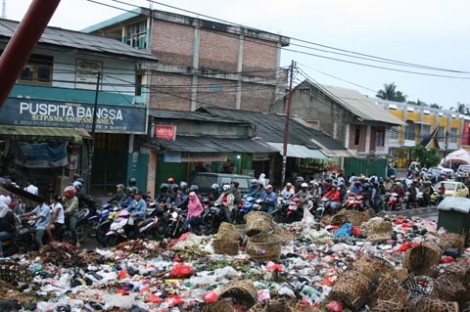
351 261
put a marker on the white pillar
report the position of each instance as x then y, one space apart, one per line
194 81
368 131
238 96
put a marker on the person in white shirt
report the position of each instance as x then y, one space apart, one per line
31 188
56 227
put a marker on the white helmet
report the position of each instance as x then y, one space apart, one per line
304 185
78 185
225 188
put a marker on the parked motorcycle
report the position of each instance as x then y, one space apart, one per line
354 201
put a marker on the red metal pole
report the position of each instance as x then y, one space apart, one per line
21 45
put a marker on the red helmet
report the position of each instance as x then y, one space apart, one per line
69 191
170 180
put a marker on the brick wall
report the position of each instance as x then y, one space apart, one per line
259 56
216 92
172 43
257 97
170 91
218 51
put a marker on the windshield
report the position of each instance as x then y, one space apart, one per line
464 168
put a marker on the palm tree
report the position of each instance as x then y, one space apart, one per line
461 108
390 93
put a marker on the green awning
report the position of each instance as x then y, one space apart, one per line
44 133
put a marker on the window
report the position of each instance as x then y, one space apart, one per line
441 134
453 135
394 131
380 138
410 130
137 35
38 70
425 131
357 135
138 84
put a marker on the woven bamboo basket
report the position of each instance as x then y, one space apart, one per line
460 271
264 247
448 289
425 304
419 286
378 230
390 293
219 306
452 240
373 269
422 259
285 235
271 306
466 307
352 289
370 212
242 292
387 306
225 246
13 273
228 232
257 222
355 217
338 219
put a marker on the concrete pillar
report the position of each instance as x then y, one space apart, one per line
194 82
238 98
346 135
368 132
277 74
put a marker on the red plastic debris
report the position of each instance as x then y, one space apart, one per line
123 292
174 300
184 236
182 271
356 231
447 259
153 299
327 282
404 247
122 274
275 266
211 296
334 306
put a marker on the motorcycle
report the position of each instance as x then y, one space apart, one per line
391 201
280 213
323 209
239 213
175 219
354 201
82 226
23 240
212 218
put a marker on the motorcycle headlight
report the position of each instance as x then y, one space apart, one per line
174 215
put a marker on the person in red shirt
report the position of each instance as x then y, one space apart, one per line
334 197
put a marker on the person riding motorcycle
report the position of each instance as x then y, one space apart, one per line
237 195
163 197
334 198
427 191
356 188
288 192
214 193
269 199
226 200
138 207
412 195
120 194
129 198
303 194
258 192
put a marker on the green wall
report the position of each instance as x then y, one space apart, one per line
365 166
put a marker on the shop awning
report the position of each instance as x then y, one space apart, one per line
216 145
298 151
44 133
338 153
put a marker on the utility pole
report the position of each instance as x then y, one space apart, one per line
4 9
22 43
93 127
286 127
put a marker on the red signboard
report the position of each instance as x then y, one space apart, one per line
165 132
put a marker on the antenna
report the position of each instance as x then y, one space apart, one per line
4 9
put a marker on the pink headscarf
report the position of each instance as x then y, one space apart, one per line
195 208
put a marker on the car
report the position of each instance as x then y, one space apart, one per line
448 172
463 170
453 188
206 179
434 172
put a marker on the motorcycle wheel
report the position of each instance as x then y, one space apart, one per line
82 231
101 234
92 228
111 240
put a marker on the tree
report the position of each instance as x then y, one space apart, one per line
427 158
390 93
435 105
461 108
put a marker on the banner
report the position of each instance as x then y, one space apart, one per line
110 119
41 155
165 132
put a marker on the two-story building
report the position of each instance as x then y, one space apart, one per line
202 62
46 121
353 119
421 122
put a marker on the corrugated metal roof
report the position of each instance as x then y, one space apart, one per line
77 40
270 128
49 133
298 151
358 104
195 116
216 145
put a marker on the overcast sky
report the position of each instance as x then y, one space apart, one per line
424 32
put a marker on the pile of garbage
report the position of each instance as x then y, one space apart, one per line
349 262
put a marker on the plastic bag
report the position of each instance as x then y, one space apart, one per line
182 271
334 306
344 231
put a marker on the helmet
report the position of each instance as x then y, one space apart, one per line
254 181
357 182
304 185
132 182
225 188
76 176
194 188
164 186
170 180
397 183
299 179
69 192
183 185
235 183
214 186
268 187
133 189
78 185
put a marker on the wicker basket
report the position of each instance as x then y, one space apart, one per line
387 306
352 289
338 219
425 304
285 235
448 289
228 232
242 292
373 269
227 247
264 247
257 222
271 306
219 306
422 259
390 293
355 217
370 212
452 240
378 230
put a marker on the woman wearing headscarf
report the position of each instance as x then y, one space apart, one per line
7 225
195 210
